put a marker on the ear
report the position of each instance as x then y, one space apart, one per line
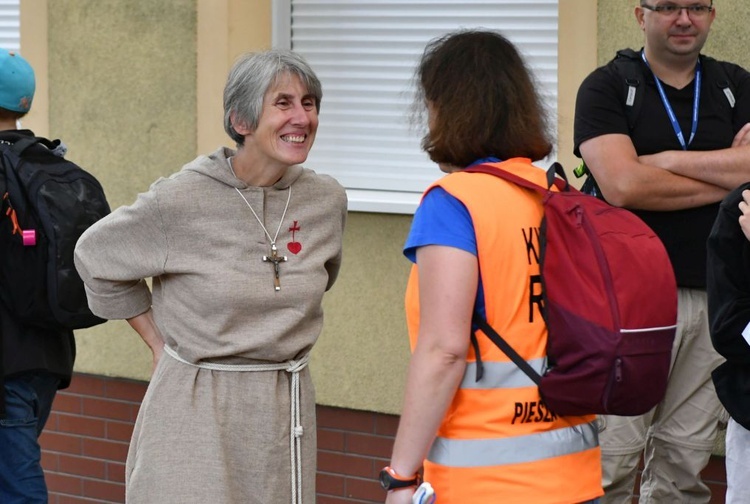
639 16
239 127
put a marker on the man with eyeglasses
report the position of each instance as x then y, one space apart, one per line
668 143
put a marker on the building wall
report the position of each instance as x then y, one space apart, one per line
134 88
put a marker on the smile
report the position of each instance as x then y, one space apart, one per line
293 138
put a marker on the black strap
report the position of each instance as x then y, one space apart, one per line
2 386
20 145
630 67
506 348
628 64
24 143
478 355
554 171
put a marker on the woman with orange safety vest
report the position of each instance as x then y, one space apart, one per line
474 243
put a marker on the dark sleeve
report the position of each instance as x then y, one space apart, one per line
600 107
728 281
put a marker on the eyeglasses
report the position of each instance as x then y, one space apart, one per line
674 11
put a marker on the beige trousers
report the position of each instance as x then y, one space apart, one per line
677 436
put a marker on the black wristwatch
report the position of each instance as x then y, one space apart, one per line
390 480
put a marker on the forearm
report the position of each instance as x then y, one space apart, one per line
629 181
448 279
146 328
432 381
725 168
650 188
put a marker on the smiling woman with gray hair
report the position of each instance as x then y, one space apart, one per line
241 245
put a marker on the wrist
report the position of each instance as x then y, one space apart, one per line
411 490
391 480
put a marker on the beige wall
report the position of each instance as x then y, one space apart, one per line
134 87
135 91
226 29
34 49
576 58
360 360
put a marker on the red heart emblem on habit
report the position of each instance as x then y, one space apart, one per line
294 247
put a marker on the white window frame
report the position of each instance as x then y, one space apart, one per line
10 24
400 194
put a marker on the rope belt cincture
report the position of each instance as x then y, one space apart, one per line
292 367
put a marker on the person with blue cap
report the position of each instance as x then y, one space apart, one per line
34 362
17 83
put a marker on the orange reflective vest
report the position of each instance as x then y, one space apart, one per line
498 441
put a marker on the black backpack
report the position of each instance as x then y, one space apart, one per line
47 203
627 63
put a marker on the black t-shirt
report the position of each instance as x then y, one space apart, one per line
601 110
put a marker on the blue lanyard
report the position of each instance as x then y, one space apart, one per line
668 107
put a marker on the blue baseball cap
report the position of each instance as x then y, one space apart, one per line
17 83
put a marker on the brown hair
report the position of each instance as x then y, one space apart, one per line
483 98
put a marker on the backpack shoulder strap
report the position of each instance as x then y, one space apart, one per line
715 71
628 65
20 145
503 345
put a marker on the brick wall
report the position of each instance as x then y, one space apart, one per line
86 441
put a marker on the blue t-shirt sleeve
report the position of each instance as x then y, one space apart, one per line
440 219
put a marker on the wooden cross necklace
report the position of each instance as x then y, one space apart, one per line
274 257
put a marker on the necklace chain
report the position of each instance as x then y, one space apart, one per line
281 221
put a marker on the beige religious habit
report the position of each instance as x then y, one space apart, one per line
229 415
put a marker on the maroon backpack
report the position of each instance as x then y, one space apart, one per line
609 302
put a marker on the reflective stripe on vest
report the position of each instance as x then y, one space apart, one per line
500 375
514 450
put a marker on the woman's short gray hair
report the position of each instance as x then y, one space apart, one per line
252 76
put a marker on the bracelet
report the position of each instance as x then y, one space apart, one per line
398 476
